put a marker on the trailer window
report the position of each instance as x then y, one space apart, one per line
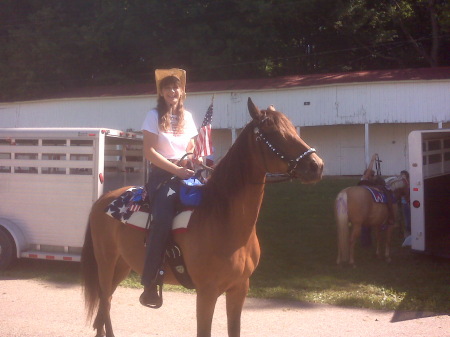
54 142
53 170
53 156
88 157
5 169
26 156
81 142
5 155
7 141
26 142
446 143
20 169
434 158
434 145
81 171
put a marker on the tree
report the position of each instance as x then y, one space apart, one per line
51 46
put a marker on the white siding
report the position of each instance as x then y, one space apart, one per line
331 117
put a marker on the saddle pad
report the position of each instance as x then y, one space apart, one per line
131 209
377 195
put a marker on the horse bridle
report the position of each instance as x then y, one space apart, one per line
292 163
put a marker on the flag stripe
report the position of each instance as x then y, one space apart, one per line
203 141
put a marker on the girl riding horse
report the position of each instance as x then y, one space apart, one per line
220 247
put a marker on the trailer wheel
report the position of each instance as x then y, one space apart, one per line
8 254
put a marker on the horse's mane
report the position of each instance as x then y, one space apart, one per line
234 170
228 177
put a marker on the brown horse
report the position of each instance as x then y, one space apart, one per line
355 207
220 247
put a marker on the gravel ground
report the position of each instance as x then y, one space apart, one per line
30 308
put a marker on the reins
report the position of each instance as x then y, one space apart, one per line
292 163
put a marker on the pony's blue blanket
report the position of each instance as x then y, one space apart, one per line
377 195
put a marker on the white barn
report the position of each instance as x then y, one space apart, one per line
346 116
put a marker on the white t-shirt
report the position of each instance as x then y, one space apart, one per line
171 145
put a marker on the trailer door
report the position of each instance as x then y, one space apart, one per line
429 154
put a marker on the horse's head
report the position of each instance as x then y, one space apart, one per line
280 147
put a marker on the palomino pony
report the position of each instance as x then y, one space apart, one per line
220 247
355 207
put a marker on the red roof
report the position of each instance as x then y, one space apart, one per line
268 83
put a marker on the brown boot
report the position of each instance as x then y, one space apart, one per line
150 297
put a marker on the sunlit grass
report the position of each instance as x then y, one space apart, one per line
298 241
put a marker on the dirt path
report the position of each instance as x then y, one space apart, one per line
39 309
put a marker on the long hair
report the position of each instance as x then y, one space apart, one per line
164 110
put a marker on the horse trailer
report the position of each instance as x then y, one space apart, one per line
429 168
49 179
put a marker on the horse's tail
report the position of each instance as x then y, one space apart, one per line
341 215
89 275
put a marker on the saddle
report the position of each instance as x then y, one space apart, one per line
133 209
379 193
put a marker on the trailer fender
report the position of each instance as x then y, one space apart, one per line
16 233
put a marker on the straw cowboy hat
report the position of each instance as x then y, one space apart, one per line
160 74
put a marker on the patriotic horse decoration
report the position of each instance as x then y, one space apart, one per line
220 246
358 206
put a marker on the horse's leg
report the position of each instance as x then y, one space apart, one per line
387 251
235 301
342 223
103 316
121 272
389 231
99 322
355 234
107 268
379 239
206 302
103 319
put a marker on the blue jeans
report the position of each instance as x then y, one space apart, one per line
162 190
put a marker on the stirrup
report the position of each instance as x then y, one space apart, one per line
150 300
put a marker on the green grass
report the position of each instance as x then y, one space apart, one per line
298 242
298 239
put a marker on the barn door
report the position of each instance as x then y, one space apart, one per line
352 160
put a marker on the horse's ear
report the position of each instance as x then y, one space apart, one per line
253 109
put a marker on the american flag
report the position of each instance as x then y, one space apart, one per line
203 141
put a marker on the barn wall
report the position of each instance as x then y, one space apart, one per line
331 118
117 113
340 146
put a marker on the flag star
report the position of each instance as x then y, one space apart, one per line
170 192
123 209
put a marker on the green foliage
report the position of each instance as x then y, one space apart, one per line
53 46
